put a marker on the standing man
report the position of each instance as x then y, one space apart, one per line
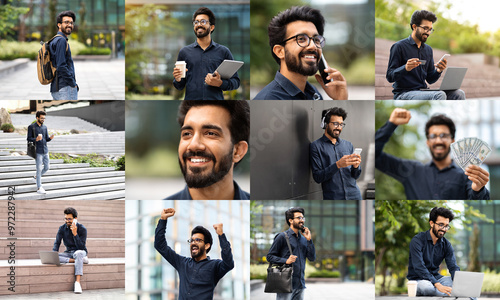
198 274
74 236
202 59
64 86
407 69
302 248
427 251
214 138
440 179
296 40
333 162
41 138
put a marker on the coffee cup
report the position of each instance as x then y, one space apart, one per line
412 288
182 66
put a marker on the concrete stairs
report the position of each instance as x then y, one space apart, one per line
56 123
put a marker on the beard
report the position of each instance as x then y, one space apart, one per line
334 133
298 225
421 36
67 30
195 179
294 64
437 232
441 156
201 251
201 34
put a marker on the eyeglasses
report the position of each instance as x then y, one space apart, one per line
442 136
443 226
67 219
337 124
427 29
303 40
300 218
202 21
69 23
197 241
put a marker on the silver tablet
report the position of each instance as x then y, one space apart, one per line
228 67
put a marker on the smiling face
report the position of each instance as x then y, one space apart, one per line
439 147
202 30
66 26
299 59
68 219
333 131
297 223
420 33
198 249
438 230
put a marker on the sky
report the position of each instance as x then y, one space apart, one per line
478 12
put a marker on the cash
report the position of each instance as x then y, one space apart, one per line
469 151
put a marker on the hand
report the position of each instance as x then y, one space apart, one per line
307 233
337 90
412 63
51 137
178 74
346 160
213 79
73 228
443 288
38 138
441 65
167 213
478 176
291 259
356 158
400 116
218 228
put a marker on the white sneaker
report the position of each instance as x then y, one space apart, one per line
85 260
41 190
78 288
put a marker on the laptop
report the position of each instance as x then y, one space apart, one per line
452 80
49 258
467 284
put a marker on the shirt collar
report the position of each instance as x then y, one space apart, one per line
291 88
325 139
452 165
63 35
212 43
412 41
238 193
429 237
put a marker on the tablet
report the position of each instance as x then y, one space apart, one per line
228 67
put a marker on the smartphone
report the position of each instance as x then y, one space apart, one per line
422 62
302 229
358 151
74 222
443 57
322 66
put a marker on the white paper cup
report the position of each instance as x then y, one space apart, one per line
39 135
181 65
412 288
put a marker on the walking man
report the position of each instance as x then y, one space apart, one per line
41 137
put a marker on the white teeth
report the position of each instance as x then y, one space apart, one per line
309 56
198 160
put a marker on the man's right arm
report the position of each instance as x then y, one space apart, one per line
274 255
57 242
31 137
396 67
61 65
320 173
162 247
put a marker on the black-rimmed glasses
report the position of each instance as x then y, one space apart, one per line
427 29
442 136
303 40
202 21
443 226
197 241
337 124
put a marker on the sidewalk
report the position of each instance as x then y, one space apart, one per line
98 80
103 294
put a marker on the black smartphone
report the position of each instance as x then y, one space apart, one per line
302 229
322 66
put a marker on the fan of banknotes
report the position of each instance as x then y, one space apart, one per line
469 151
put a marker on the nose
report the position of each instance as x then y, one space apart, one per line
196 143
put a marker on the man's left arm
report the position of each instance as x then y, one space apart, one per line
47 137
310 250
232 83
451 261
79 236
478 178
227 263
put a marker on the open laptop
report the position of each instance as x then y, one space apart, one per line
49 257
467 284
452 80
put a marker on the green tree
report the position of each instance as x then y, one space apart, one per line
473 265
50 29
82 23
9 17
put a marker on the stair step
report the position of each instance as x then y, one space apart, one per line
70 193
33 167
61 178
24 162
114 195
53 172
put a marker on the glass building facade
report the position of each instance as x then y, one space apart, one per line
150 276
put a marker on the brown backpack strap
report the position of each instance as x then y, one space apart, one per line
67 44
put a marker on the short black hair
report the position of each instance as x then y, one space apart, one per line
40 113
419 15
207 236
335 111
440 119
205 11
277 27
289 213
440 211
67 13
71 211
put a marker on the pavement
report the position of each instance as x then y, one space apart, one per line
103 294
402 297
355 92
98 80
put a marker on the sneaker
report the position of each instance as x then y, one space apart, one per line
41 191
78 288
85 260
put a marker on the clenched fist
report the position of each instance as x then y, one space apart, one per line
218 228
167 213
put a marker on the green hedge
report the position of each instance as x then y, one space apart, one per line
95 51
12 49
7 127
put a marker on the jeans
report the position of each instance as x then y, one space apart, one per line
426 288
41 159
77 255
66 93
296 294
432 95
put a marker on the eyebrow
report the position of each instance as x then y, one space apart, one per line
208 126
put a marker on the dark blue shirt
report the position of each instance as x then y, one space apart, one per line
197 278
283 89
424 182
301 247
41 145
425 258
199 63
62 60
239 194
72 242
414 80
336 183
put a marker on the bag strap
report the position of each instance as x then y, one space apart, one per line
288 242
67 44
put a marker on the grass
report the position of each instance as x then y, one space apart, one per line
94 160
259 271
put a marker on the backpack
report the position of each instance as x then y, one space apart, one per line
46 71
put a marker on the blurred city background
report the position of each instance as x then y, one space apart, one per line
156 32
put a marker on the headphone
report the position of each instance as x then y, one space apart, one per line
323 125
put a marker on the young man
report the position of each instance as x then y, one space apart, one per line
407 69
440 179
74 236
332 160
296 40
214 138
64 86
198 274
41 138
302 247
427 251
202 59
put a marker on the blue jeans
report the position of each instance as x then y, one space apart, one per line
432 95
426 288
296 294
41 159
66 93
77 255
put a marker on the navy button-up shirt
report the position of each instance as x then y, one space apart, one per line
239 194
301 247
197 278
424 182
199 63
414 80
425 258
41 145
62 60
283 89
72 242
336 183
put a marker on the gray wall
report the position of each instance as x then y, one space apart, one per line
109 115
281 132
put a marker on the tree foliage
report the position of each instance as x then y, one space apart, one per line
9 17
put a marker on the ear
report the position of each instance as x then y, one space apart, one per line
212 28
279 51
414 27
239 151
207 246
